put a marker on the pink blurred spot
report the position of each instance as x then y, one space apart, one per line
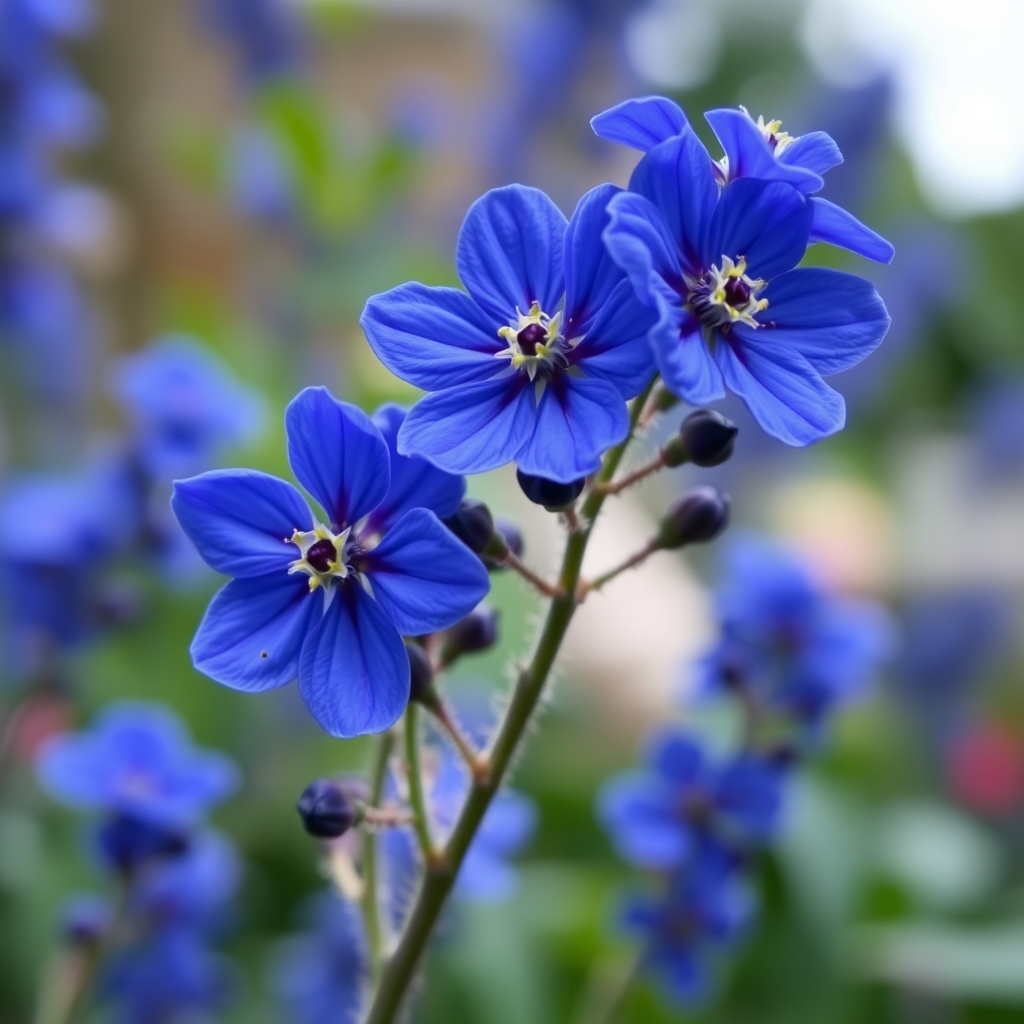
985 768
37 720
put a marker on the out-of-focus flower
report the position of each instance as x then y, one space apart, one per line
265 34
985 768
270 625
685 931
318 977
514 375
657 817
996 412
260 180
787 642
136 761
184 404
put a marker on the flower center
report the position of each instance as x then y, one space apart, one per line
322 556
772 131
726 296
535 343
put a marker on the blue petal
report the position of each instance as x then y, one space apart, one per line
816 151
337 454
677 177
768 222
253 631
423 576
471 429
509 252
578 420
751 155
433 338
590 272
640 818
415 483
509 823
615 347
834 225
676 757
638 240
749 794
240 520
781 389
684 361
354 672
486 878
834 320
641 123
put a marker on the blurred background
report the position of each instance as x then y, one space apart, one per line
196 199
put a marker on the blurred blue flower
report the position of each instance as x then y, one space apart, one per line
269 625
184 404
260 179
658 817
137 762
996 419
319 976
515 374
685 931
265 34
753 149
718 267
786 642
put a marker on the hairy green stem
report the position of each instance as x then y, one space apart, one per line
371 902
439 876
417 801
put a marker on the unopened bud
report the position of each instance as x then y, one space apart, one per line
475 633
421 674
708 437
473 524
697 516
326 809
507 538
552 494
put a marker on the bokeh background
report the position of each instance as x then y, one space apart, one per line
241 175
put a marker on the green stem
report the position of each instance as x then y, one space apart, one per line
440 876
417 801
637 558
371 902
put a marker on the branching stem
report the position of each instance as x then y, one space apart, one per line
637 558
646 470
516 564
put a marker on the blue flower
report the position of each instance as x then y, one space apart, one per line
658 816
533 365
686 930
717 265
318 977
136 762
788 643
753 149
265 33
184 404
327 598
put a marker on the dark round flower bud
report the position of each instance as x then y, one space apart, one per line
85 919
507 537
421 674
473 524
699 515
550 493
326 809
477 632
708 437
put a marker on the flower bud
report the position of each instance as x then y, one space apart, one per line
550 493
697 516
474 634
326 809
473 524
507 537
421 674
708 437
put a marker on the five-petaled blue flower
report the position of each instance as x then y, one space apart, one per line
656 817
788 643
328 598
753 149
717 264
535 364
704 912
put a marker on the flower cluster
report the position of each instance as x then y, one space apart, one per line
150 789
789 654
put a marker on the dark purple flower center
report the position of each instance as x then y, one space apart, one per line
321 555
737 292
530 337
